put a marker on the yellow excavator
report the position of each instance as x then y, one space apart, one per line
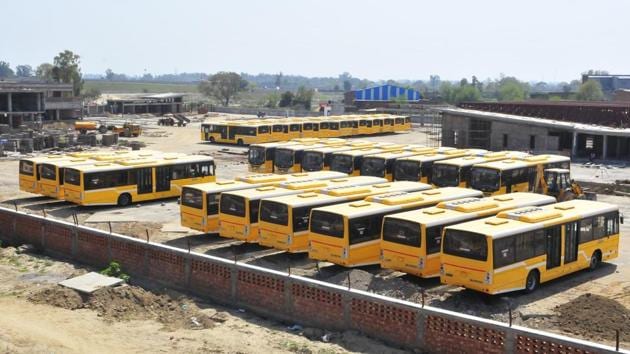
557 183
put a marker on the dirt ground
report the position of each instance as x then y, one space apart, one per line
40 316
587 292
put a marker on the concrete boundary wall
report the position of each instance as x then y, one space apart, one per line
285 297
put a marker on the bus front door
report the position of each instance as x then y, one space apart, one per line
145 180
162 179
554 244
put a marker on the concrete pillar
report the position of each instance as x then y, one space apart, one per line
39 102
10 121
605 148
9 103
57 117
574 144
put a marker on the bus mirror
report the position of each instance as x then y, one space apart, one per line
179 201
621 218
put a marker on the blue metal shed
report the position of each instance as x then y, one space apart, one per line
386 93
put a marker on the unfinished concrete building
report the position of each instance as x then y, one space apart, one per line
499 131
158 104
26 101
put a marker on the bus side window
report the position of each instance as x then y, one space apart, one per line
612 224
599 227
586 230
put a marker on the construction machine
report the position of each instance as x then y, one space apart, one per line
557 183
126 130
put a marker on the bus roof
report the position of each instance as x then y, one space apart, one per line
464 209
395 154
449 154
487 157
534 160
261 192
272 177
362 152
391 202
399 186
142 162
299 147
43 159
222 186
526 219
311 184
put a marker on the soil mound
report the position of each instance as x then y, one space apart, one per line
125 303
595 317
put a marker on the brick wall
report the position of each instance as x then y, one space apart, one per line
285 297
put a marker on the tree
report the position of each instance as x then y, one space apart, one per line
223 86
463 82
44 72
5 69
510 89
347 85
278 81
304 97
591 90
66 69
24 71
91 94
454 95
272 100
109 74
435 82
286 100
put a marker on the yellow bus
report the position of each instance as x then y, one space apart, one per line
522 248
260 156
123 182
522 175
318 159
288 159
237 132
349 234
410 241
199 207
456 172
382 165
420 167
350 161
238 210
284 221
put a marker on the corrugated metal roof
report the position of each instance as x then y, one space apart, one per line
386 93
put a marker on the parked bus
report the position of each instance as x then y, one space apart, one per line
124 182
284 221
522 175
260 156
199 208
420 167
237 132
382 165
288 159
522 248
350 161
242 224
349 234
411 240
318 159
456 172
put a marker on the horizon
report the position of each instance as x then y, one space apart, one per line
327 40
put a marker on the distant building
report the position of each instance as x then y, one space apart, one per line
621 96
609 83
157 104
368 97
28 101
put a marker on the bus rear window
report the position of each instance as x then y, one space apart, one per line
256 155
402 232
365 228
212 203
406 170
48 171
341 163
274 212
72 177
326 223
192 198
465 244
312 161
232 205
26 168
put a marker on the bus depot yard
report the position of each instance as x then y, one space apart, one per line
586 304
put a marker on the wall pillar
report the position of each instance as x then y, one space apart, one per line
605 148
9 102
574 144
39 102
57 117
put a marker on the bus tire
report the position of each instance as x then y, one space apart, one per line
532 281
596 260
124 199
212 139
239 142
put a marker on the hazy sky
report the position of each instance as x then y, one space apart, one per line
551 40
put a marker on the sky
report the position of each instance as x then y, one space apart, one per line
533 40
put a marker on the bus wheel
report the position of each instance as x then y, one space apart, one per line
532 281
596 259
212 139
239 142
124 200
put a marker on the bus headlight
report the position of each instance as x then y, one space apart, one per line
289 239
246 230
488 278
344 253
382 256
421 263
442 271
310 247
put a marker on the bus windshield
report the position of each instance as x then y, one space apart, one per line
326 223
407 171
192 198
445 175
373 166
274 212
341 163
256 155
283 158
48 171
485 179
402 232
72 176
233 205
312 161
465 244
26 168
